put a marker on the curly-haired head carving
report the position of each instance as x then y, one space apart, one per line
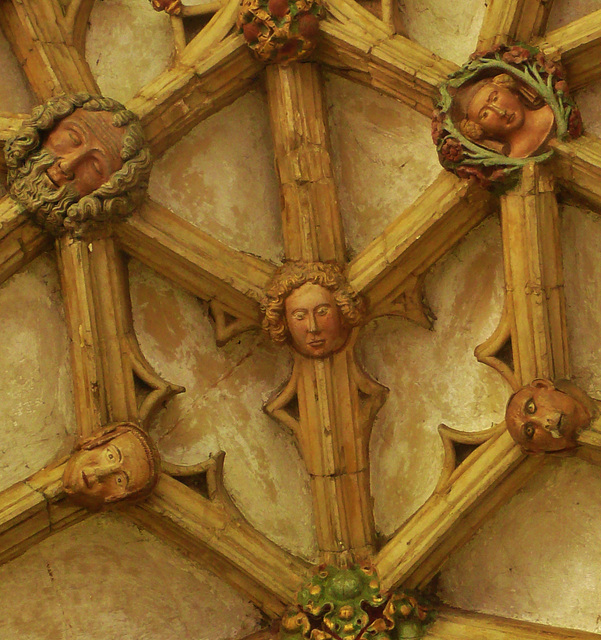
118 463
77 162
312 306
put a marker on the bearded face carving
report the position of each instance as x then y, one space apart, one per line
542 418
77 163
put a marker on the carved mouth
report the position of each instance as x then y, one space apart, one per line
56 186
86 480
317 343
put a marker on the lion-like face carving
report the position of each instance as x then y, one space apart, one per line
541 418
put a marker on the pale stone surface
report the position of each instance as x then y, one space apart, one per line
128 44
37 421
221 178
589 103
565 11
539 553
433 376
581 242
382 154
449 29
222 408
106 578
15 95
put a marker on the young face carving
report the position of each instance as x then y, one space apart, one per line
87 150
109 472
316 325
541 418
497 109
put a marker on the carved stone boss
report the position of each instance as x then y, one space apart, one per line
79 162
500 110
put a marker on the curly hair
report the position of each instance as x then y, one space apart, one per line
113 200
114 430
294 274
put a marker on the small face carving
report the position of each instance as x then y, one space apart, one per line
316 325
542 418
109 472
497 109
87 150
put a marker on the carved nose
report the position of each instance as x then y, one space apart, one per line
498 110
312 324
66 167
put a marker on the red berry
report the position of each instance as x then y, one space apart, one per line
308 26
251 31
278 8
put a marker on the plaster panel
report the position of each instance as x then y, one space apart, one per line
37 421
565 11
589 103
433 376
221 178
382 154
128 44
581 245
446 27
539 552
15 95
222 409
80 584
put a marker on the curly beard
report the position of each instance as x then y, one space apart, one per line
45 203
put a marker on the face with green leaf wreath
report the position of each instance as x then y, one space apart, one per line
499 111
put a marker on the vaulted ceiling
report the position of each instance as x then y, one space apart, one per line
326 160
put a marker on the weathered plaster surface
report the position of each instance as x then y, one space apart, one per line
581 243
589 103
221 178
537 558
106 578
565 11
433 376
15 95
222 408
382 154
128 44
37 421
449 29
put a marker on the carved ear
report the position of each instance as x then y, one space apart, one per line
542 383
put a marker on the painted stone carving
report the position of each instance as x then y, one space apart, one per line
172 7
499 111
119 463
78 162
280 30
347 604
542 417
311 306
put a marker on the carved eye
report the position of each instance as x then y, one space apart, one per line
298 315
110 456
529 430
119 480
74 138
323 311
484 115
530 407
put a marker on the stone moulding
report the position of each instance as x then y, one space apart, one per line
540 76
